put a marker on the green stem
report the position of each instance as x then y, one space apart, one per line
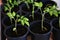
33 12
27 4
16 26
11 20
42 21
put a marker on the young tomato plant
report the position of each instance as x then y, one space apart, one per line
39 5
52 10
9 5
18 18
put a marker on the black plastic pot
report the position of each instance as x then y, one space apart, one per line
56 31
35 30
22 32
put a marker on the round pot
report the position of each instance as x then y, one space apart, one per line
37 34
21 34
56 31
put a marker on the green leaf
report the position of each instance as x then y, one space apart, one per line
47 9
18 15
22 22
55 13
28 1
26 19
6 8
27 23
32 1
8 5
51 13
22 17
10 15
14 29
36 3
54 6
40 4
10 1
13 14
19 20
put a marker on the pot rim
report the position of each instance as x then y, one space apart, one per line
41 34
51 23
16 37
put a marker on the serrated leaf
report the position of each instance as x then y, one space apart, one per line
56 13
27 23
26 19
51 13
14 29
54 6
40 4
47 9
19 20
36 3
10 15
6 8
13 14
22 22
22 17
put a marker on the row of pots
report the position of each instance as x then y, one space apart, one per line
34 29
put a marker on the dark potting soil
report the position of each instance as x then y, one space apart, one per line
36 28
56 24
21 30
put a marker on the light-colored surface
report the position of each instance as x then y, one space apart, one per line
58 3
